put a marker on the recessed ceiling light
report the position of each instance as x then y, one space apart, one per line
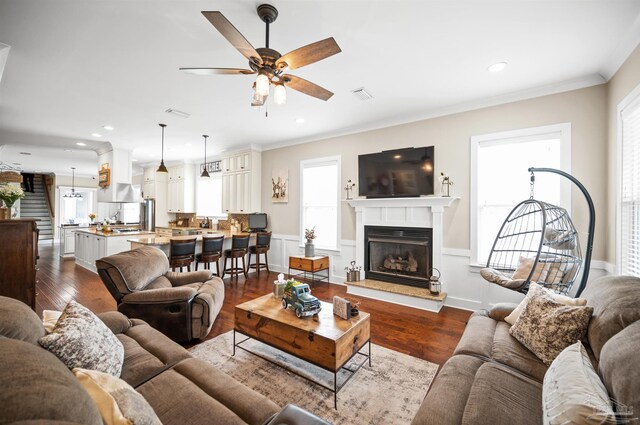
81 144
108 127
497 67
25 153
96 135
17 163
397 156
68 150
300 120
180 114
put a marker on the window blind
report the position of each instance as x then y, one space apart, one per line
630 191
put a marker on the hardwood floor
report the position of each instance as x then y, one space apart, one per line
429 336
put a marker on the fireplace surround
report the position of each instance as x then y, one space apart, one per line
423 212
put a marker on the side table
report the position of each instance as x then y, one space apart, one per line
311 265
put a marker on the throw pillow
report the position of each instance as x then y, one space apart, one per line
500 278
547 327
49 319
81 339
572 391
117 401
525 265
562 299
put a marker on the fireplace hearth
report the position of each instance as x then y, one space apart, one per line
401 255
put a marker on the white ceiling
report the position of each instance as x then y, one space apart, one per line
76 65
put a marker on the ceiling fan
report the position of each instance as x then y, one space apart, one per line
269 64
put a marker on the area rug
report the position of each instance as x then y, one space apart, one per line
388 392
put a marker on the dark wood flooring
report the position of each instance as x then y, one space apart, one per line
429 336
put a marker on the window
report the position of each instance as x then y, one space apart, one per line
500 180
76 210
320 200
209 196
629 192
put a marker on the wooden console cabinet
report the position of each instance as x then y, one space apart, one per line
18 256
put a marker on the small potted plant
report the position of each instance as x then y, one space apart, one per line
92 217
309 235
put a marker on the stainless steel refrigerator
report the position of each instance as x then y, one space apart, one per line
148 215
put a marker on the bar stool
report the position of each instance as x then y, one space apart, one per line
211 251
239 246
182 252
263 242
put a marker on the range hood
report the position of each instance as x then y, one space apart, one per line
125 192
119 188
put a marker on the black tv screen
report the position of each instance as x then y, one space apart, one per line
397 173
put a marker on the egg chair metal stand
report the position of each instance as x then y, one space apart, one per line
539 243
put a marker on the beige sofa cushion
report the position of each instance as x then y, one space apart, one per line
18 321
615 305
623 383
35 385
490 339
194 392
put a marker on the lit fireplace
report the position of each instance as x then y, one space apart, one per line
398 254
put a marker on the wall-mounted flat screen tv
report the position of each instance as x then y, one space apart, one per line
396 173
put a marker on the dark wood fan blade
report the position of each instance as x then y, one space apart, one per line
217 71
234 36
308 54
306 87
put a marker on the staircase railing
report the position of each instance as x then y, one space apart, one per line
47 182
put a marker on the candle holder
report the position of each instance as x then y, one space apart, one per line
349 187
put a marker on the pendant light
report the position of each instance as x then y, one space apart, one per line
162 168
73 193
205 173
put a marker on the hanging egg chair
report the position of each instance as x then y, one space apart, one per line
539 243
536 243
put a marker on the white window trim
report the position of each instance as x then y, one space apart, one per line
629 100
320 161
525 134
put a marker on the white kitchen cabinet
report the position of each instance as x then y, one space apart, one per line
149 174
67 241
181 190
89 248
241 174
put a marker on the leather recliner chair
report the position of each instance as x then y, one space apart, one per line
183 306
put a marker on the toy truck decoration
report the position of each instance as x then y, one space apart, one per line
298 295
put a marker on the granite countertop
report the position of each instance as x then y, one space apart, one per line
164 240
112 234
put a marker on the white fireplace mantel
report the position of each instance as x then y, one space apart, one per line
424 211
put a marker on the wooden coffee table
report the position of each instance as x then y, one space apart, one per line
325 340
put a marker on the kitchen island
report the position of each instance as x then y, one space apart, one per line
92 244
163 242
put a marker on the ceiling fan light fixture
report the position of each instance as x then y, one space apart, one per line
162 168
262 84
279 94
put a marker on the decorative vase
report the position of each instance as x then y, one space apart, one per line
309 249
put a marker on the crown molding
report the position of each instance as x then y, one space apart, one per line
561 87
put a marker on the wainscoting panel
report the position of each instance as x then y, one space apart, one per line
463 284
